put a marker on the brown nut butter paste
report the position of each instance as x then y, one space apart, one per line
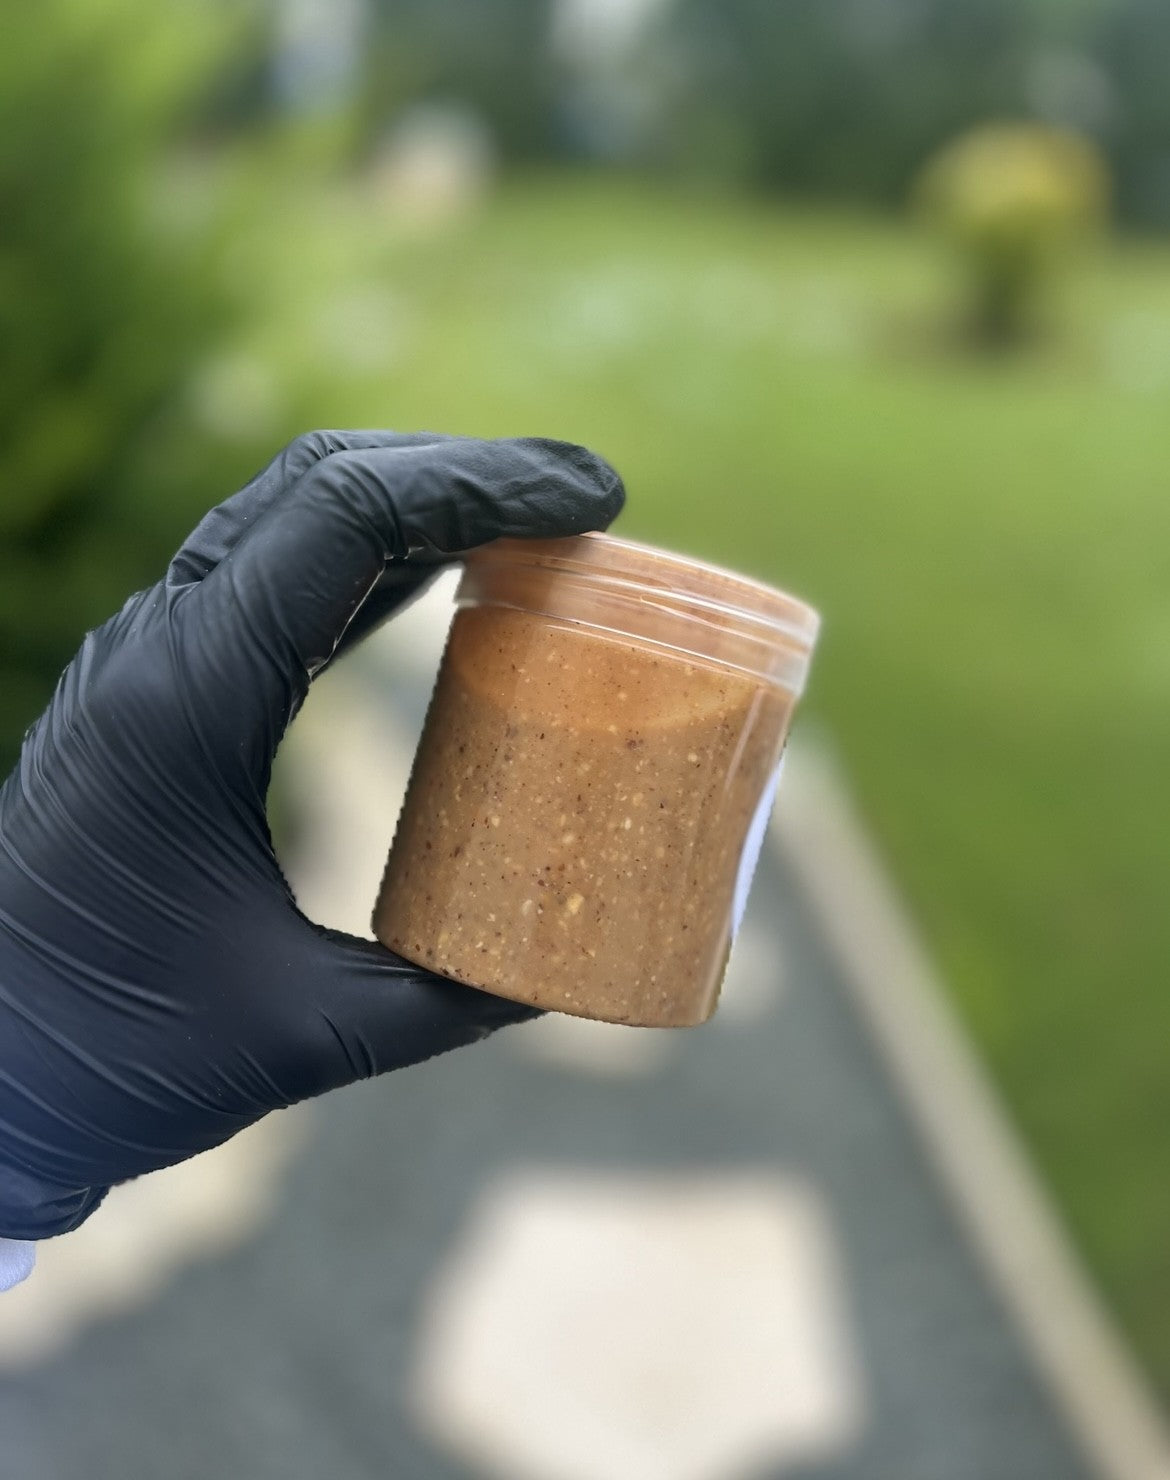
574 824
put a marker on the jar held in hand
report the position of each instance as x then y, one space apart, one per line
607 724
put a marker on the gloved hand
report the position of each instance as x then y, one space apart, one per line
159 989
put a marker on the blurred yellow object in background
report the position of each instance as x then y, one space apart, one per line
1011 198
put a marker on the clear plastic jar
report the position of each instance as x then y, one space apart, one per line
597 765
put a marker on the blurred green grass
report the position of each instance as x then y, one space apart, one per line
989 542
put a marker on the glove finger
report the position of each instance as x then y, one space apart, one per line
273 612
374 1012
222 528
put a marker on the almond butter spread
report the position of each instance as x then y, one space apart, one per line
574 824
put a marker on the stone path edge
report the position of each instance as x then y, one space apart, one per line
1005 1212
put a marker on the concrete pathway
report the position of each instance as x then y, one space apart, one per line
572 1253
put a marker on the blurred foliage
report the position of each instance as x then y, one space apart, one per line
846 98
829 97
490 57
1132 45
1010 200
111 290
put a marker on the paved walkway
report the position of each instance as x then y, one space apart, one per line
572 1253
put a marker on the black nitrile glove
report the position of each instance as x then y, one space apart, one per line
159 989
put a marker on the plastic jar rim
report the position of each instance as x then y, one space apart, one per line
610 559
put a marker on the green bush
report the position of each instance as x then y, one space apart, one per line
110 291
1010 200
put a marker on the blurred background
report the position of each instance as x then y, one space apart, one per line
869 298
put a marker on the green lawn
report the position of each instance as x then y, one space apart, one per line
989 544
